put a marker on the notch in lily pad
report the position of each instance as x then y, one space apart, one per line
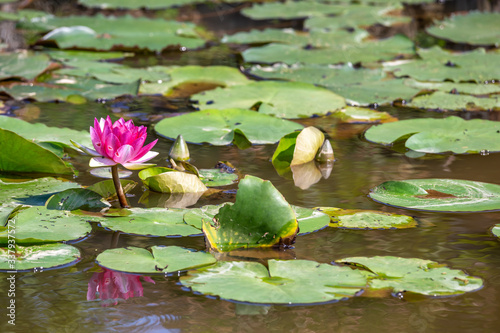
158 259
260 217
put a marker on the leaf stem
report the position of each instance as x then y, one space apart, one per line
118 187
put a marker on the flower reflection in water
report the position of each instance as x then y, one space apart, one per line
111 286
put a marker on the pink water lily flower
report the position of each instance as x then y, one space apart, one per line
119 143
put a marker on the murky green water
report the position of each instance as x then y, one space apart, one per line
56 300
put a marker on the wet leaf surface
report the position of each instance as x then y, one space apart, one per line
166 180
367 219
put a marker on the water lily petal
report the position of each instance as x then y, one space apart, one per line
137 145
96 162
111 145
96 141
144 150
137 166
123 154
146 157
87 150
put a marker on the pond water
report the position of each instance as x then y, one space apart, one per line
56 300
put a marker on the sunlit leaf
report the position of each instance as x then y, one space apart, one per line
166 180
367 219
77 198
442 195
286 282
440 100
310 220
22 65
217 177
159 259
496 230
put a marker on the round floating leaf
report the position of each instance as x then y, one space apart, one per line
77 198
286 282
445 101
41 225
40 257
440 135
160 259
195 216
106 188
310 220
163 222
281 99
444 195
41 187
218 127
290 10
461 88
166 180
440 65
217 177
134 4
22 65
260 217
22 155
367 219
475 28
496 230
357 115
352 52
415 275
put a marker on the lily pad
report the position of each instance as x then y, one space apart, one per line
159 222
367 219
14 191
440 65
442 195
22 155
41 225
195 216
220 127
290 10
102 32
455 87
77 198
359 86
496 230
134 4
298 148
358 115
106 173
166 180
106 188
414 275
440 100
260 217
217 177
160 259
199 76
475 28
440 135
310 220
286 282
281 99
41 257
22 65
352 52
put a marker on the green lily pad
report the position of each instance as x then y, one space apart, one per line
159 222
195 216
22 65
76 55
39 257
440 135
199 76
42 133
102 32
298 148
41 225
77 198
310 220
358 115
367 219
281 99
440 100
14 191
440 65
496 230
166 180
134 4
475 28
359 86
260 217
415 275
461 88
286 282
442 195
22 155
352 52
106 188
219 127
217 177
290 10
160 259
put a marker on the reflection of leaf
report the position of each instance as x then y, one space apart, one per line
161 259
456 195
39 256
305 175
415 275
260 217
286 281
165 180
